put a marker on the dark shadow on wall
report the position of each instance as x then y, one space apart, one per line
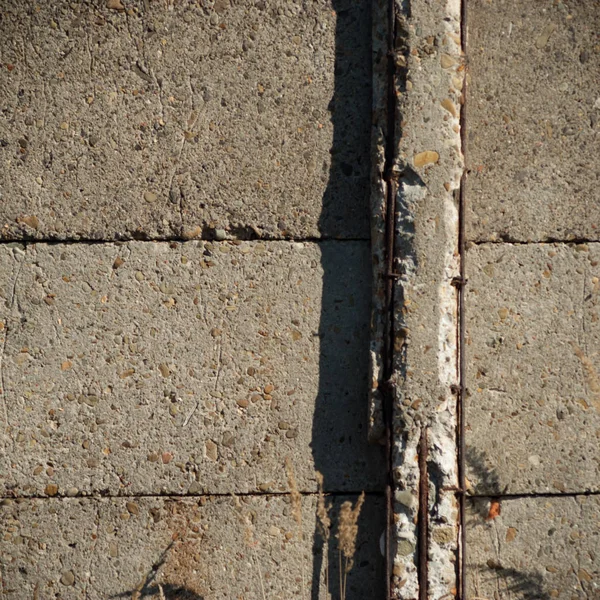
149 589
339 444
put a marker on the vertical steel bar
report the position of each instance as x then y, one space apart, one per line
461 312
423 517
389 291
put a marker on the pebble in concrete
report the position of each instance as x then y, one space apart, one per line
201 549
185 368
533 121
533 333
182 118
534 548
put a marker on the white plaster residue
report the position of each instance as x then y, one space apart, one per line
444 523
406 474
447 350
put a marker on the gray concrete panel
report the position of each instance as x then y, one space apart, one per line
526 548
197 549
184 118
533 352
185 368
533 121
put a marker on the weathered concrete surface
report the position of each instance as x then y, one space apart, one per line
213 548
533 342
533 120
542 548
181 118
172 368
429 165
378 201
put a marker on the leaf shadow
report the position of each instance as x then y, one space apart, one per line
506 580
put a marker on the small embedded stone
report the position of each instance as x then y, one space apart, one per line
30 220
67 578
449 106
190 234
544 36
447 61
428 157
195 488
51 489
115 5
228 439
211 450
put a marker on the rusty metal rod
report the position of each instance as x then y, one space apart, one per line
461 318
388 346
423 522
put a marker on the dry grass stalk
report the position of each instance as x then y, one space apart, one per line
296 499
346 535
137 593
295 496
323 521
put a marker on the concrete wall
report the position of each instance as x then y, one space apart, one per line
192 302
185 296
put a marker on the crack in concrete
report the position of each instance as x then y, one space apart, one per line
545 242
307 494
29 241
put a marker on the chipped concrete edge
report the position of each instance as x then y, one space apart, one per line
379 37
429 157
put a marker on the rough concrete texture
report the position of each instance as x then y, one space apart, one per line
429 167
198 549
183 118
185 368
533 335
378 201
542 548
533 120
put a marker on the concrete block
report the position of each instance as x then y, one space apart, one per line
198 549
151 367
533 341
534 548
184 118
533 120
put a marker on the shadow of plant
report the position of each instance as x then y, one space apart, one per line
485 479
506 580
147 589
